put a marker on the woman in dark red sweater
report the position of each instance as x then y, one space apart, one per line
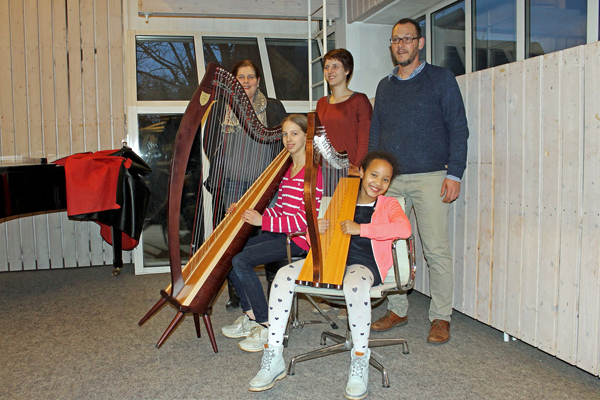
345 114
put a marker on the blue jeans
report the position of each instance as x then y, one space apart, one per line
264 248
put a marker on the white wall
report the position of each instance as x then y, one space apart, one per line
370 47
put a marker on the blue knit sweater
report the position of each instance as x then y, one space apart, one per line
422 122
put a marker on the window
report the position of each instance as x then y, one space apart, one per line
289 59
555 25
448 42
228 51
494 33
166 68
317 71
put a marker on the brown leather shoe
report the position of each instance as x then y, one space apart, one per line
439 333
388 321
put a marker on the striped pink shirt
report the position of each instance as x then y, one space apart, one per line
289 215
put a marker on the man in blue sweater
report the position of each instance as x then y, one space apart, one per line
419 116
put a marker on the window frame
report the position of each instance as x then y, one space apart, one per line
593 27
135 107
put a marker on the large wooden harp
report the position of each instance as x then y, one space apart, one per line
194 287
326 260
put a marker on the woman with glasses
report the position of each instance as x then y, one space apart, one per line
235 174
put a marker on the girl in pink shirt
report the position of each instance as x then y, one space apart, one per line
378 220
287 216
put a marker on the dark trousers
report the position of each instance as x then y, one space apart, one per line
264 248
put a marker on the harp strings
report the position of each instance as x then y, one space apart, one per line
236 149
334 166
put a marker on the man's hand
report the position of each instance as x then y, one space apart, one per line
451 189
350 227
252 217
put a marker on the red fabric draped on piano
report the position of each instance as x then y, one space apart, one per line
92 181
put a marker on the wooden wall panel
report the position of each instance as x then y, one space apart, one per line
571 90
63 65
102 74
117 87
61 79
48 244
7 124
534 149
486 202
588 336
515 200
501 196
550 204
531 196
471 196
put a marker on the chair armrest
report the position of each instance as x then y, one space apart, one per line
412 263
288 244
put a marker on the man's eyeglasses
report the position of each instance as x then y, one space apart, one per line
405 39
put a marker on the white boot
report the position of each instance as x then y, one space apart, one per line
272 368
357 386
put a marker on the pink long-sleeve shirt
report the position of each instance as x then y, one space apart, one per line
289 214
387 223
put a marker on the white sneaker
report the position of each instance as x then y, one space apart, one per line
256 340
356 388
272 368
240 328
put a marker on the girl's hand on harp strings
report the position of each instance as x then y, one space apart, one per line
323 225
231 208
252 217
350 227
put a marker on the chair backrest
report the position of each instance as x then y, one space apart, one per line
404 257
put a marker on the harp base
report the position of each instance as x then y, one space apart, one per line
181 311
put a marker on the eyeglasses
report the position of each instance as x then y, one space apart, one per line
405 39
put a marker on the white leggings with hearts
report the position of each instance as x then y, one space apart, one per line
357 285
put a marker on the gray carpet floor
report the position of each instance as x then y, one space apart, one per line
73 334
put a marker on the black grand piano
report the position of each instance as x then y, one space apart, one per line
37 186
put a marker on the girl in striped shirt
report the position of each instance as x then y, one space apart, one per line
287 216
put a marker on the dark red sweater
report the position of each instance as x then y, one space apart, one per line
347 125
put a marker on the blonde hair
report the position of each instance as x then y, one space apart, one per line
297 119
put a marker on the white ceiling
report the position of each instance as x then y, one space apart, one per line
398 9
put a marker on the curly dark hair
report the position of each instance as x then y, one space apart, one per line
381 155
